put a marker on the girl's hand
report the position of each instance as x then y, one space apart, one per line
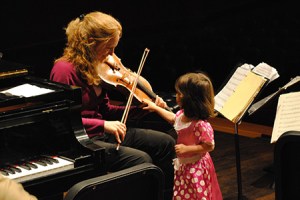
159 108
149 105
152 106
180 149
116 128
160 102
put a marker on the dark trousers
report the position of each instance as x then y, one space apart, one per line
140 146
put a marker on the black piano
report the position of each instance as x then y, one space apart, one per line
43 144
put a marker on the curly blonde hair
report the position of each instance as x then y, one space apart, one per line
85 33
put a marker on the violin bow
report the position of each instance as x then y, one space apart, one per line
129 101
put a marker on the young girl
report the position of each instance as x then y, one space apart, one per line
195 176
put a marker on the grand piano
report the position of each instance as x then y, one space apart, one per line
43 144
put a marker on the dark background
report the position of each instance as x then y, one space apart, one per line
213 36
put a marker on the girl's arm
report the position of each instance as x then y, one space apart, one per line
194 149
152 107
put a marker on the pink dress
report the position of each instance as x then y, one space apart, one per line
195 177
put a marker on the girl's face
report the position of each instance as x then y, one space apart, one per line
103 50
179 96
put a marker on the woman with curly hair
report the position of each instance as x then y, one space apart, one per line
91 41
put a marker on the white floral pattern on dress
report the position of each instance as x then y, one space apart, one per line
196 180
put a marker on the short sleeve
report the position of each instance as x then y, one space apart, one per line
204 132
178 113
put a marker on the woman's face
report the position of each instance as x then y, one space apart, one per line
103 51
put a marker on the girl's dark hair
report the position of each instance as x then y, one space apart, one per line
198 95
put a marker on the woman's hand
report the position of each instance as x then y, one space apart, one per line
116 128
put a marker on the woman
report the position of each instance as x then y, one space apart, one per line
91 40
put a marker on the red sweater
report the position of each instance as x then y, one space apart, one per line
94 108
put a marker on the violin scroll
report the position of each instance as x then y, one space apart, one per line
112 62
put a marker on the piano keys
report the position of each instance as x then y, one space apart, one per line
39 167
45 131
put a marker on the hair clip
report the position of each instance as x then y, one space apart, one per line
81 17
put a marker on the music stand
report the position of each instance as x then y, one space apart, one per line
236 97
256 106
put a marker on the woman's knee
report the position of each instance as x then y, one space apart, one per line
144 157
169 142
134 156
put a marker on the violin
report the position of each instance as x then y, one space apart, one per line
113 72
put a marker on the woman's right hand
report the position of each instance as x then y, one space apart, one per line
116 128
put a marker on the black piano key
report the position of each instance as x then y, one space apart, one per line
53 160
46 160
25 166
31 165
15 169
9 171
4 172
40 162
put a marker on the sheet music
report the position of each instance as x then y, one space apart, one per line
266 71
287 115
242 97
26 90
240 73
241 89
